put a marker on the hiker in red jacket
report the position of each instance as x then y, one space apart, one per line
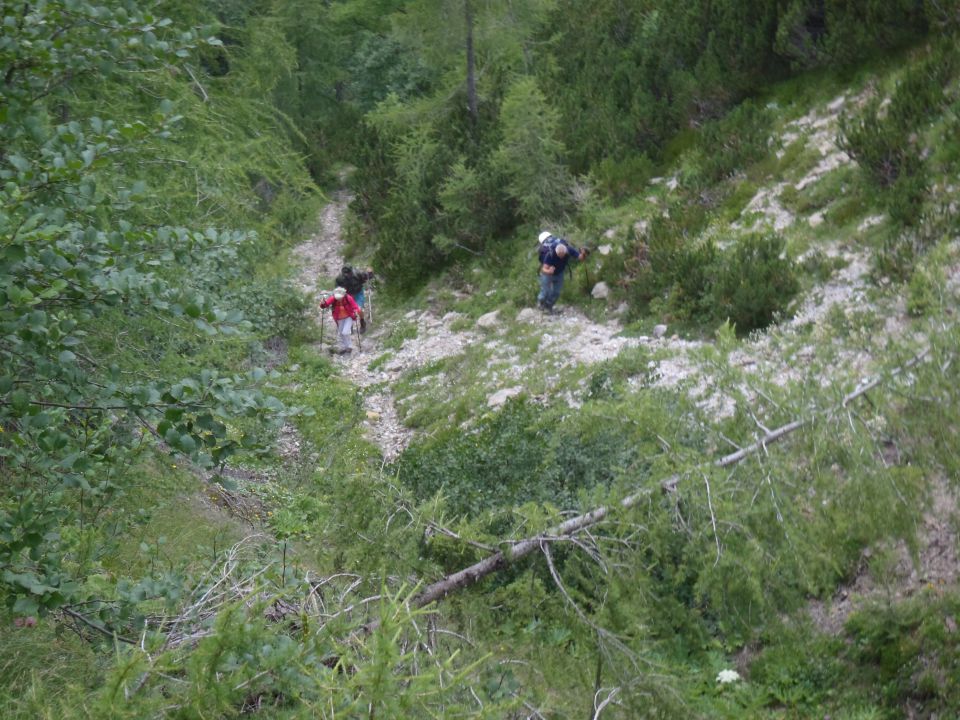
345 311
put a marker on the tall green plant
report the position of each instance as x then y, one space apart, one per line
71 252
530 156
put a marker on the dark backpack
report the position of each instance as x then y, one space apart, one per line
349 281
546 246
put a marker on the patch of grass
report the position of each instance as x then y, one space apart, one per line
818 195
848 210
794 155
400 331
334 428
820 266
737 200
380 361
45 668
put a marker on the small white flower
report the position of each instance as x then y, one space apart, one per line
727 676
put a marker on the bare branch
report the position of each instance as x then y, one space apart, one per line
599 705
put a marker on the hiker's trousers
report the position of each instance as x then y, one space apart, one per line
550 287
344 327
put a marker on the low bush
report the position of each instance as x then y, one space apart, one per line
738 139
619 179
749 283
753 283
274 307
886 138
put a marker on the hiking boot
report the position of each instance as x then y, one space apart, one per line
344 351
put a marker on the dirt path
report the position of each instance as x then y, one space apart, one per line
571 336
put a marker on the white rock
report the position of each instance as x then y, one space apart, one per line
411 315
501 396
451 316
601 291
489 320
373 416
640 227
394 366
610 234
621 309
837 103
527 315
659 331
869 222
604 249
815 220
490 293
672 183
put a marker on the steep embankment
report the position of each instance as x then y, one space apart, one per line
373 368
823 344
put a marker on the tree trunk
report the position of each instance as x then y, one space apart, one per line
471 63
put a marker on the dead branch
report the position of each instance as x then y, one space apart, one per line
87 622
599 704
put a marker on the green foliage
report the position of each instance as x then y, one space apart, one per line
272 307
92 266
619 179
518 455
731 143
530 156
632 77
905 653
754 283
750 283
885 141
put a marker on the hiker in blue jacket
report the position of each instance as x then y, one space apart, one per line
555 253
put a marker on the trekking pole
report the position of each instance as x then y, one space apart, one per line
369 303
323 315
356 327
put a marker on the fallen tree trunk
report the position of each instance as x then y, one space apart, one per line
500 559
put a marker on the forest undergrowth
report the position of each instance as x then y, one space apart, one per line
723 484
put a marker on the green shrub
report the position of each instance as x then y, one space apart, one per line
738 139
619 179
753 283
887 141
273 307
748 284
516 456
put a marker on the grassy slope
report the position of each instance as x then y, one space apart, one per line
837 230
331 500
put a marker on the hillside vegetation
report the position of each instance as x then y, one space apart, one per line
722 483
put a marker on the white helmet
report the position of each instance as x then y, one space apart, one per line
543 236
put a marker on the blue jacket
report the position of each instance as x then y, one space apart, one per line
548 256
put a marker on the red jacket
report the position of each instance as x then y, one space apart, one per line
345 308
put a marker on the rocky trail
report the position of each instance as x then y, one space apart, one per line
572 335
573 338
